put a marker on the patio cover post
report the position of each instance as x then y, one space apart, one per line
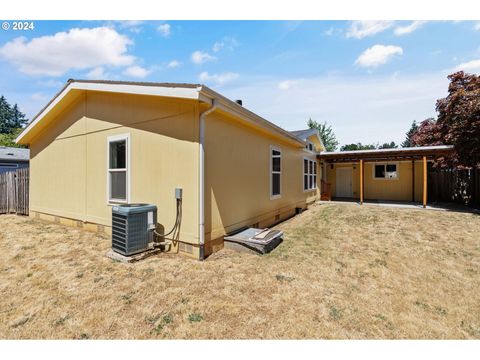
413 180
424 181
361 181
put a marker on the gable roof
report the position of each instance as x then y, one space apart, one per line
197 92
14 154
306 133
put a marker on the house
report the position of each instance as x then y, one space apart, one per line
101 143
381 174
13 158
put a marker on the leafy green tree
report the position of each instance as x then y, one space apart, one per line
9 139
326 134
357 146
409 134
390 145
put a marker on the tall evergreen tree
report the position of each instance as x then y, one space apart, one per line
326 134
5 115
409 134
18 118
12 121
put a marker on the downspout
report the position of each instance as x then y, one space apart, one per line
201 176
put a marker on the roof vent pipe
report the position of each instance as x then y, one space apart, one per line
239 102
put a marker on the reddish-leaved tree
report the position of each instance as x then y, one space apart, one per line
459 117
427 134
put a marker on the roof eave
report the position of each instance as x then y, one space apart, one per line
247 115
192 93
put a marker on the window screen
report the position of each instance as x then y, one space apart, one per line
118 185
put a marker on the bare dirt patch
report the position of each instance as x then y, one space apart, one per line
343 271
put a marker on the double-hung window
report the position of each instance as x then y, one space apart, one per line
275 172
309 174
118 168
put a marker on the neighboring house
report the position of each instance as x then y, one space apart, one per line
13 158
382 174
101 143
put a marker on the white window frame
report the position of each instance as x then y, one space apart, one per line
115 138
313 175
277 196
385 165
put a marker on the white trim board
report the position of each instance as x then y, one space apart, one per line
110 139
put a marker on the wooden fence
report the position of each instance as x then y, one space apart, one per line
14 192
453 185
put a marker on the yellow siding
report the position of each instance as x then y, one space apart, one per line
69 158
69 166
377 189
237 177
399 189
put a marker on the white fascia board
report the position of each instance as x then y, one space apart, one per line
166 91
175 92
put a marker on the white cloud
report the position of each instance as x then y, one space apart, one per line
469 66
76 49
173 64
165 30
378 55
136 72
218 79
329 31
227 42
200 57
39 97
128 24
286 84
369 108
477 26
363 28
97 73
51 83
217 46
402 30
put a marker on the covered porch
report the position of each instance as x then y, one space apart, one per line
398 175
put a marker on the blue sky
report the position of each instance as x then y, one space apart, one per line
368 79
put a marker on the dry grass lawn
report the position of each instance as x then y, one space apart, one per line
343 271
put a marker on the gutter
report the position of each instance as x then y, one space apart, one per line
201 175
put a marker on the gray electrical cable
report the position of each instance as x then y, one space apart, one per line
177 220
